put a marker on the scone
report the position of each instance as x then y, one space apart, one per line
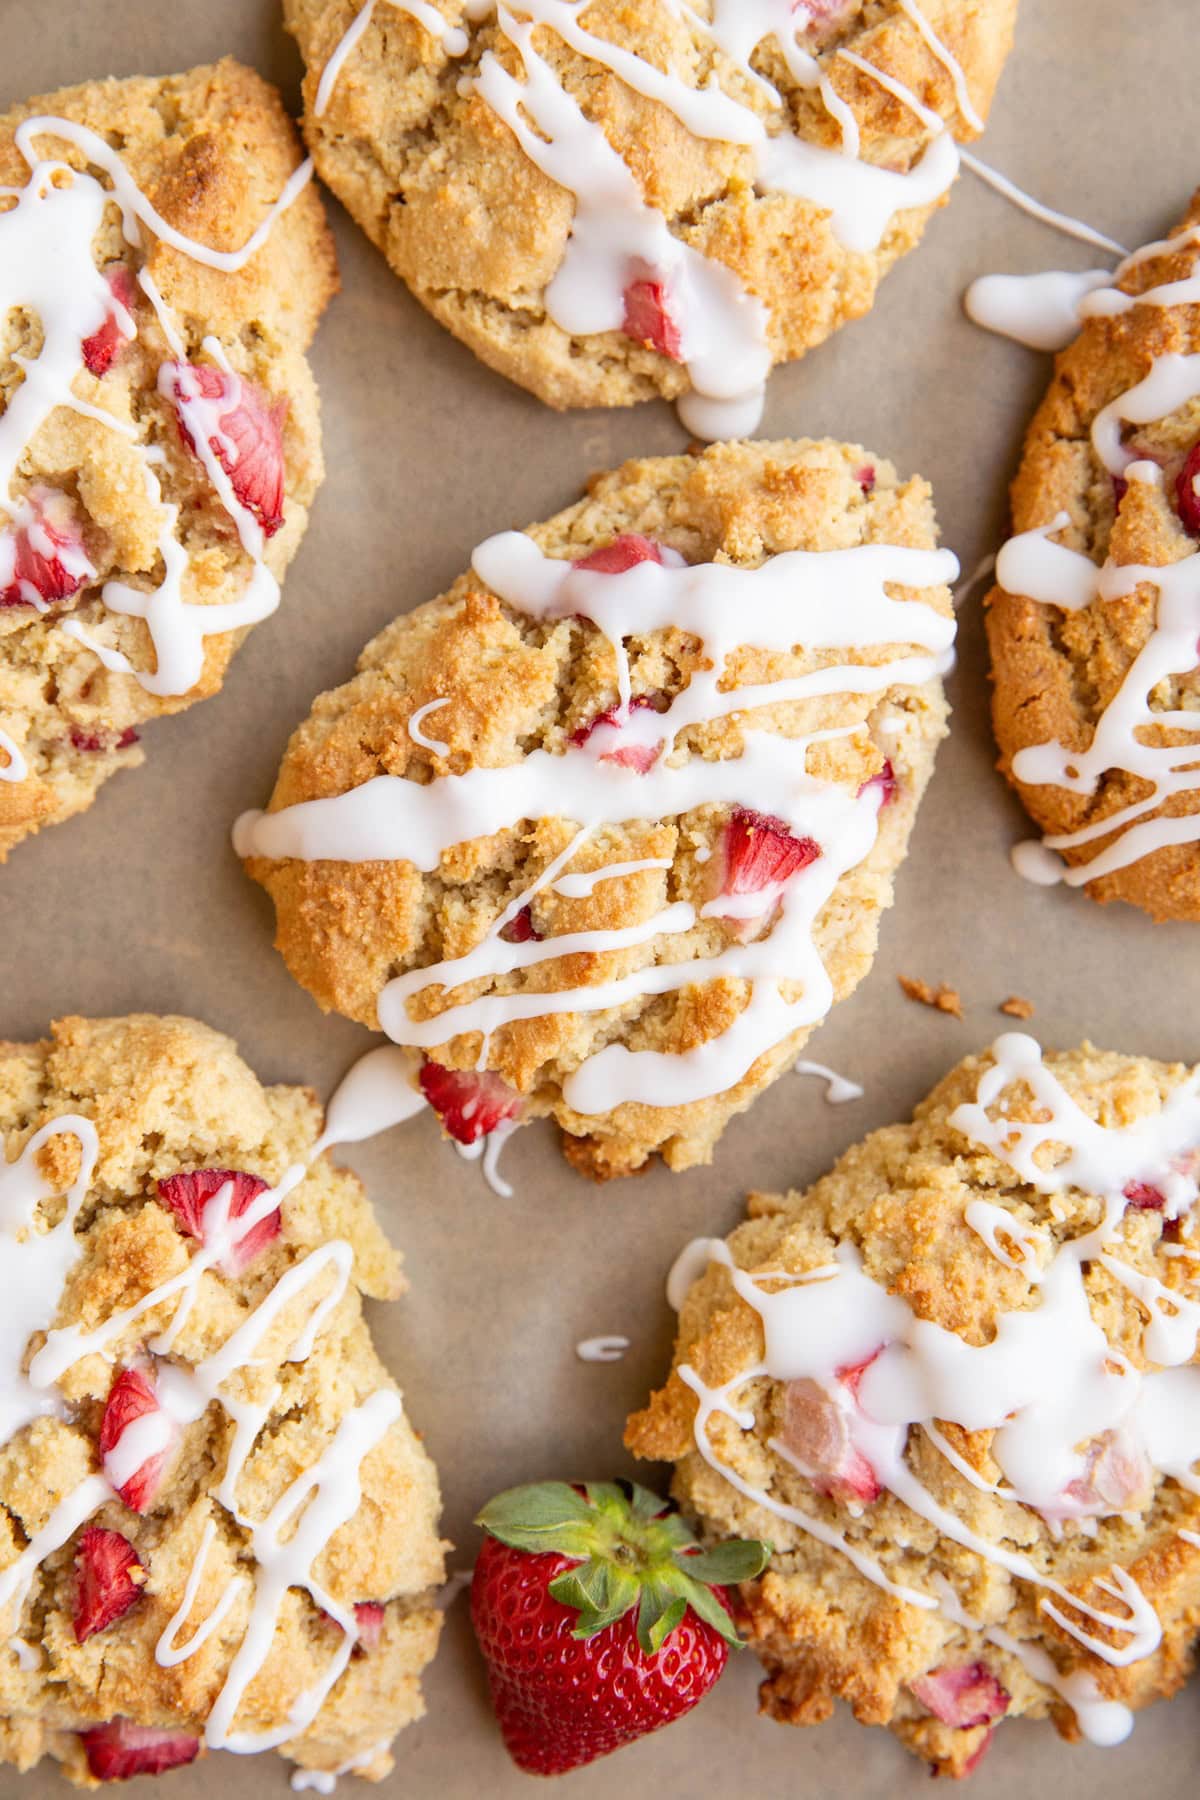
606 829
219 1528
955 1385
1093 623
163 265
608 202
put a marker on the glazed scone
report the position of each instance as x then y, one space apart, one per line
159 435
219 1527
955 1385
1093 622
627 915
608 202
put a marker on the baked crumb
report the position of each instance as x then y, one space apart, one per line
941 998
1017 1007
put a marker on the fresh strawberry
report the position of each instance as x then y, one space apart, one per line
1187 495
651 317
1141 1197
369 1616
598 1616
962 1697
885 780
121 1749
469 1102
102 740
190 1198
133 1397
43 560
625 552
101 350
759 855
816 1430
521 928
110 1580
244 434
1117 1478
631 756
865 477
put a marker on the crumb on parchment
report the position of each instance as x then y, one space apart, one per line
1017 1007
941 998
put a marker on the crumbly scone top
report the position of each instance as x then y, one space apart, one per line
955 1384
163 265
1093 622
219 1527
615 817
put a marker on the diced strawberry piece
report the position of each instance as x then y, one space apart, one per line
469 1102
132 1397
521 928
625 552
100 350
244 434
962 1697
885 780
761 853
369 1616
816 1430
851 1376
980 1751
631 756
651 318
190 1196
1187 497
865 477
121 1749
43 556
110 1580
1117 1478
1140 1196
102 740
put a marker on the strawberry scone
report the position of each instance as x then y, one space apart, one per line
219 1528
1094 623
955 1384
605 830
608 202
164 260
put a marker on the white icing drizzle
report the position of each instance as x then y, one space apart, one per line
47 268
418 736
602 1349
16 768
1036 209
839 1089
835 601
1042 311
1123 737
617 238
324 1781
915 1372
287 1543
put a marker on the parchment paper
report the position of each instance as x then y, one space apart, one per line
140 905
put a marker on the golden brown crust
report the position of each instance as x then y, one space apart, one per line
211 150
169 1094
514 685
440 184
1056 671
825 1632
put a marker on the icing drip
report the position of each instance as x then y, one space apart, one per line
602 1349
47 268
1042 311
834 601
289 1540
1124 735
1060 221
913 1372
618 239
838 1088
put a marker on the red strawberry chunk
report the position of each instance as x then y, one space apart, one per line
651 317
244 434
885 780
131 1398
110 1580
865 477
980 1751
469 1102
962 1697
816 1430
102 740
521 928
101 350
631 756
43 558
121 1749
625 552
1140 1196
1187 496
369 1616
191 1196
1117 1478
760 855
